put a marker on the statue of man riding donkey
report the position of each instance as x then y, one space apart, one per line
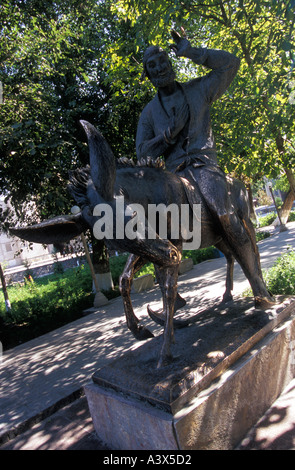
174 131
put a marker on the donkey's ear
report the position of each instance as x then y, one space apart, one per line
60 229
102 162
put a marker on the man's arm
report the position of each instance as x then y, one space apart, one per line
147 144
224 68
224 65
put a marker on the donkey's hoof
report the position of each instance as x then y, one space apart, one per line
226 298
263 303
164 361
142 333
179 302
158 318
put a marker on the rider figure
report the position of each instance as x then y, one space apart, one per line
176 125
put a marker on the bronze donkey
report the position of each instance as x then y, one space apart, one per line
102 182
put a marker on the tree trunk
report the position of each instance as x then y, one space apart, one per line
100 259
253 216
286 207
291 179
289 199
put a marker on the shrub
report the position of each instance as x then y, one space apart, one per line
267 219
117 264
202 254
45 304
261 236
280 279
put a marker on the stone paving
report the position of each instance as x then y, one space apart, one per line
41 401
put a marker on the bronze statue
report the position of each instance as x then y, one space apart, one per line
176 126
141 185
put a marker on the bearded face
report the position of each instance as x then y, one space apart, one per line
160 71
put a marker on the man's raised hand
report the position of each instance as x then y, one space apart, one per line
182 44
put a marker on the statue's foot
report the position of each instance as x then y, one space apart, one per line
159 318
179 302
142 333
165 360
226 298
263 303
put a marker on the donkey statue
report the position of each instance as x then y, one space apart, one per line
102 183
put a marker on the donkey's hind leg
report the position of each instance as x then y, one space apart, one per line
222 246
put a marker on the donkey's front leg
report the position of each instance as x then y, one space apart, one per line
170 293
133 264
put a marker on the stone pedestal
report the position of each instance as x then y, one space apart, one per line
229 366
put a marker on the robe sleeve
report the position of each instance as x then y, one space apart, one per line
224 67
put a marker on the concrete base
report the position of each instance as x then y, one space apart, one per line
99 300
142 283
229 367
185 265
105 281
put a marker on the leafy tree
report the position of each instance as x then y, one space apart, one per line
54 71
254 121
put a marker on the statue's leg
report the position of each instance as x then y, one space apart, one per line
134 263
159 317
248 258
179 301
236 232
227 296
169 297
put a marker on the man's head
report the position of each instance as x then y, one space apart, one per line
157 67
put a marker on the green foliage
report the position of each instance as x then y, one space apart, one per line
280 279
56 68
203 254
41 305
267 219
261 236
282 184
147 269
117 264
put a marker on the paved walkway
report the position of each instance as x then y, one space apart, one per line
42 380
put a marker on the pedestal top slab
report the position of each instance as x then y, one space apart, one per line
202 351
